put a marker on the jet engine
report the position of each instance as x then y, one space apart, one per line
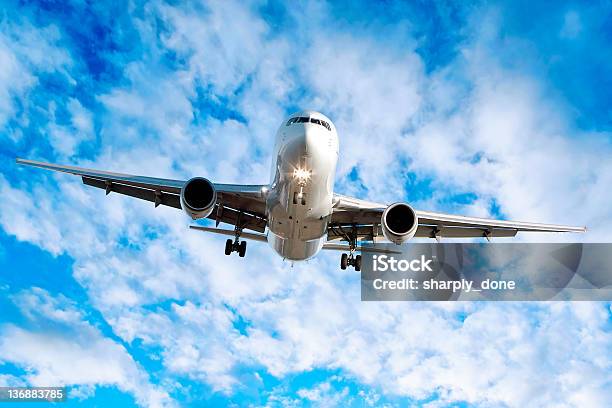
399 223
198 197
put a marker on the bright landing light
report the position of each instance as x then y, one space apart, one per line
301 174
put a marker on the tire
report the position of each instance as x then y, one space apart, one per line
228 247
358 263
343 261
242 249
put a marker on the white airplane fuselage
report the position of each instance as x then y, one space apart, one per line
299 201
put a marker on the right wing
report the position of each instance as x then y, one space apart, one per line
365 216
236 203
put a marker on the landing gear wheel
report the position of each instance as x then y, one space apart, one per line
343 261
299 198
242 249
357 263
229 245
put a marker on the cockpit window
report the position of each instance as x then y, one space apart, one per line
302 119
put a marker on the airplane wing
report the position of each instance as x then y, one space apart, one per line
233 199
363 218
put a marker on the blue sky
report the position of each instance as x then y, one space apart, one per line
490 109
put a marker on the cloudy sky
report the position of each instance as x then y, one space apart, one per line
498 109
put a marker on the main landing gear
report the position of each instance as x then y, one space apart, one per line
236 245
350 260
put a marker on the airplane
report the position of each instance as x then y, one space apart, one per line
298 213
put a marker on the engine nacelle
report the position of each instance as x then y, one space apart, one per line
198 197
399 223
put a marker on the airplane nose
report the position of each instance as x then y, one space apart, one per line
304 145
311 140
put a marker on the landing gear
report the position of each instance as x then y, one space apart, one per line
299 197
236 245
350 260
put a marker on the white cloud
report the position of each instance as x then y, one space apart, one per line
8 380
323 395
24 51
13 78
220 57
65 139
62 349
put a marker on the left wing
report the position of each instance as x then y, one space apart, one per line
364 217
236 203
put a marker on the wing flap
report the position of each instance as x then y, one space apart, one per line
438 219
231 216
432 231
248 202
374 233
170 200
356 216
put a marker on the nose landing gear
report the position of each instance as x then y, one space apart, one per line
299 198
